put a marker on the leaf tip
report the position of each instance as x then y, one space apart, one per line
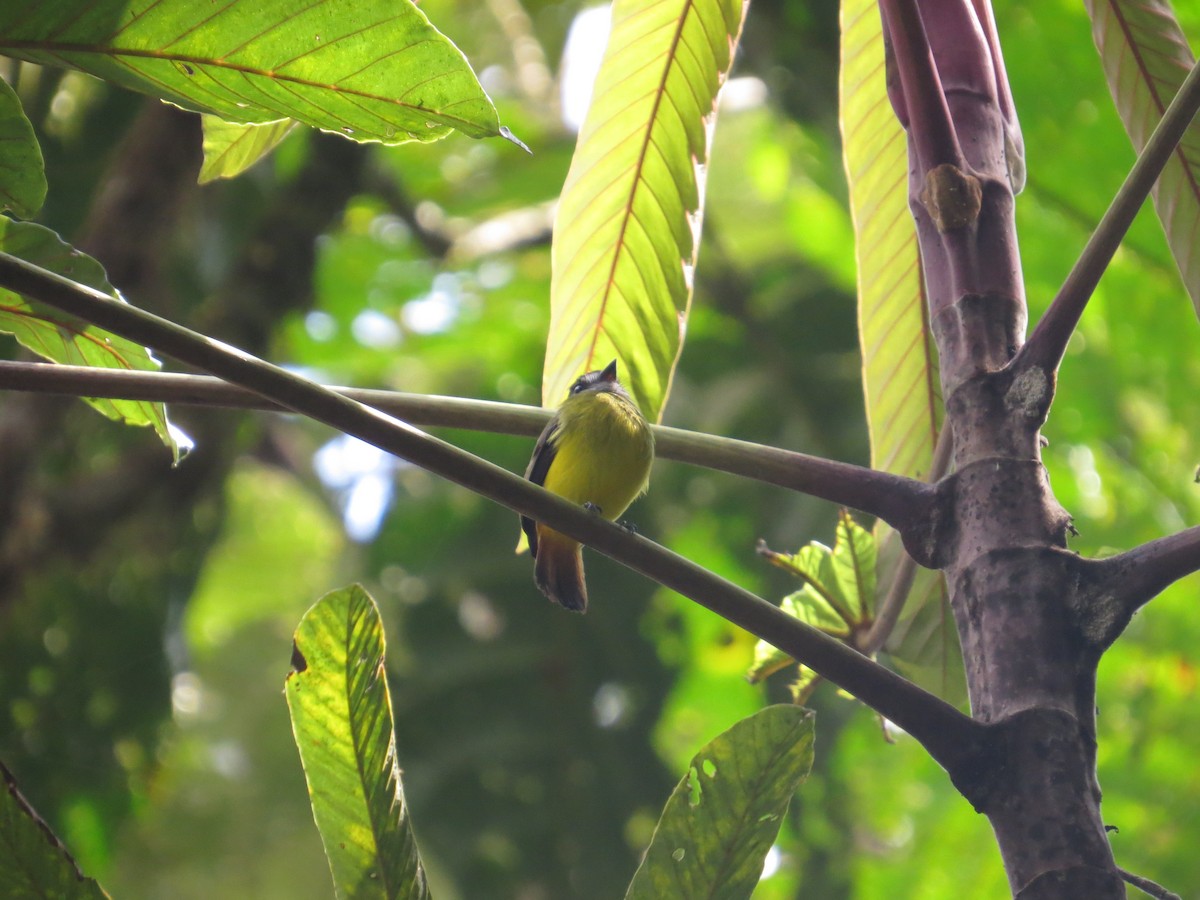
509 136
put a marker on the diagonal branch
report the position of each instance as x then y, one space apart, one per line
904 503
1048 342
956 741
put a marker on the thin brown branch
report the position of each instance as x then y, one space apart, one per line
1148 887
1048 342
899 501
888 613
956 741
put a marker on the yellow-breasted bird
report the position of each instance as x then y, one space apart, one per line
596 451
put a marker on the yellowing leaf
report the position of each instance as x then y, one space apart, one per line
628 223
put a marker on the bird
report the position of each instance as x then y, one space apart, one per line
597 451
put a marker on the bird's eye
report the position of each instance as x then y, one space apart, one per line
577 387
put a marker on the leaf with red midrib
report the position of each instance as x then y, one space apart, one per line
1146 58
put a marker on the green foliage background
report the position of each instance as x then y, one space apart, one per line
144 639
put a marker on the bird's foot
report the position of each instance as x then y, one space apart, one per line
592 507
629 526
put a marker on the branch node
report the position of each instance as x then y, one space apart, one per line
952 197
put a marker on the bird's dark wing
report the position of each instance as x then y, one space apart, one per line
539 464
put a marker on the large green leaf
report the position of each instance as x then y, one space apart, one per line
628 223
375 70
34 865
1146 57
342 719
724 814
22 171
900 377
900 369
64 339
231 148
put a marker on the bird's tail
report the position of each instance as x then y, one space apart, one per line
559 569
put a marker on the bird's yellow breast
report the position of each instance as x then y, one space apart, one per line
603 452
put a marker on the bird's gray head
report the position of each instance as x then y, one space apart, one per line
600 380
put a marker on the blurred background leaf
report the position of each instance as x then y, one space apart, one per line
1145 57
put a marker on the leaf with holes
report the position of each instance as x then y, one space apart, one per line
724 815
22 171
1146 58
33 862
342 720
65 339
628 222
837 597
231 148
375 70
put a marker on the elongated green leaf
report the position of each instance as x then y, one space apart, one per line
22 171
34 865
375 70
900 370
342 719
628 222
722 818
1146 57
64 339
230 148
900 378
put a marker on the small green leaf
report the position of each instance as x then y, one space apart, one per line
22 171
374 70
230 148
342 720
34 865
853 563
65 339
628 224
819 603
724 815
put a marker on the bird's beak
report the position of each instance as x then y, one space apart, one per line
610 372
